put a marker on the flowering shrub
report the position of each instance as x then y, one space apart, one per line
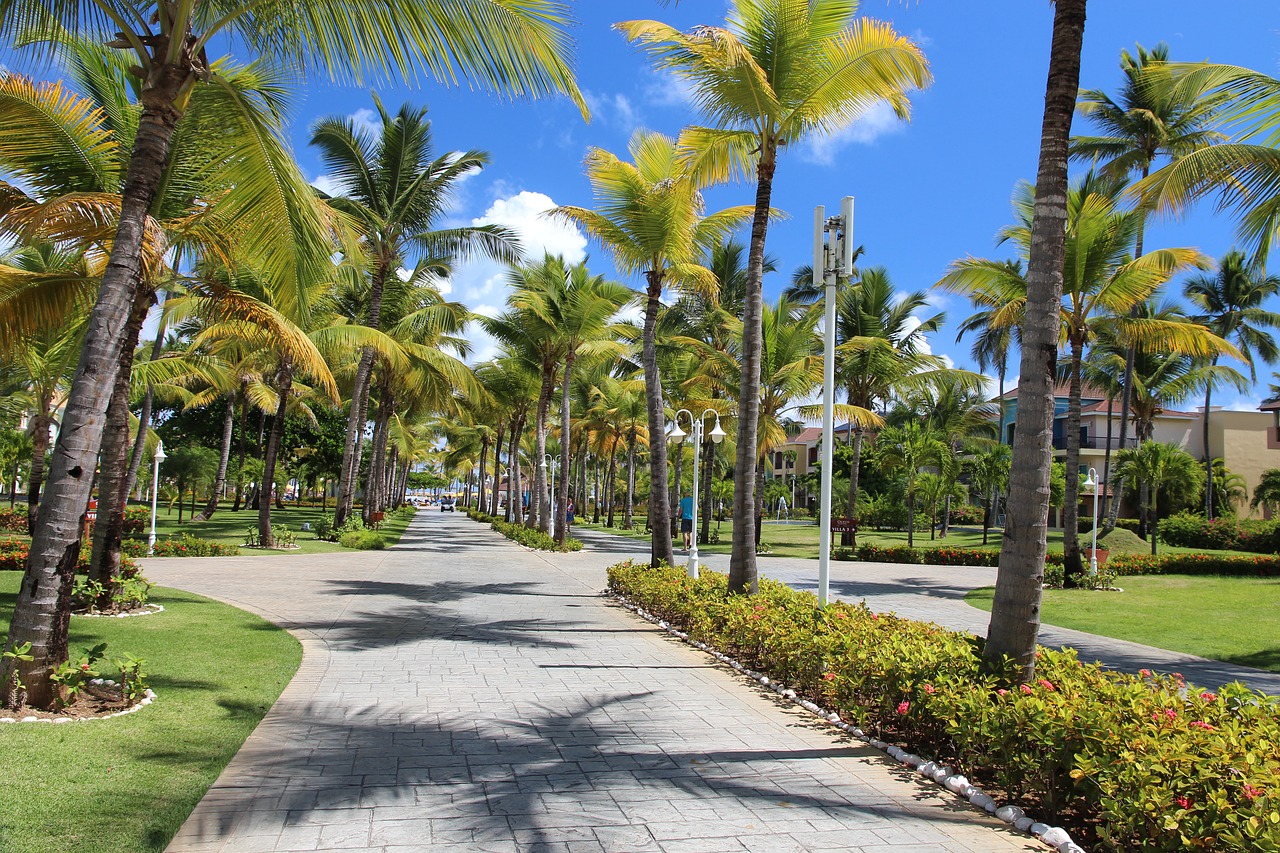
1195 564
362 540
14 552
1148 763
966 513
13 520
136 519
185 545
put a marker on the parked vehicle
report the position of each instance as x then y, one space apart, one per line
446 505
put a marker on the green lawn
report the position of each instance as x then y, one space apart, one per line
126 784
230 527
1236 620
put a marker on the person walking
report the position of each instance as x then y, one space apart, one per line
686 520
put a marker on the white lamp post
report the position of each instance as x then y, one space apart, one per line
155 491
548 467
831 261
1091 482
677 435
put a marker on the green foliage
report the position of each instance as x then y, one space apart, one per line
1150 762
133 681
72 677
185 545
1121 541
13 520
281 537
1195 564
535 539
15 695
362 540
14 552
1226 533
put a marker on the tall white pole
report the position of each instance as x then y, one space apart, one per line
1093 555
155 491
693 539
820 275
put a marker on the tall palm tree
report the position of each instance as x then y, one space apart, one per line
1267 493
395 189
649 214
989 470
777 73
1157 466
905 450
1230 304
508 44
1147 120
1015 609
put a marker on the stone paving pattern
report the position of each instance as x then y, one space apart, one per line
461 693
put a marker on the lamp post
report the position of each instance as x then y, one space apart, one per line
548 467
831 260
1091 482
677 435
155 491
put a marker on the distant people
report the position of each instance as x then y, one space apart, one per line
569 513
686 520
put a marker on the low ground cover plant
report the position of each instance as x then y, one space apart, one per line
1128 762
185 545
528 537
363 540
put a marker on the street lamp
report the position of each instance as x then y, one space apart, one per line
677 435
548 467
1091 482
155 491
831 261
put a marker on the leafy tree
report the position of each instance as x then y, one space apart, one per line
904 451
1267 493
989 473
1159 467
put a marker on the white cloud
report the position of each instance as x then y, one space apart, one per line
367 120
615 110
329 185
668 90
876 122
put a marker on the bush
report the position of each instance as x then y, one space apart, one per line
185 545
1129 524
1149 763
535 539
1195 564
968 514
136 519
363 540
14 552
13 520
1228 533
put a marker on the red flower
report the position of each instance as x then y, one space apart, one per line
903 707
1201 724
830 676
1209 697
1145 673
1046 684
1025 689
928 688
84 667
1184 802
1251 793
1002 692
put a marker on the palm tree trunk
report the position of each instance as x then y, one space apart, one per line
353 443
1208 457
855 471
704 512
374 490
742 560
540 500
144 415
660 548
517 502
1015 613
989 515
611 482
758 516
1155 514
40 425
285 383
1073 568
566 471
628 507
911 519
244 414
224 460
1106 461
497 471
113 491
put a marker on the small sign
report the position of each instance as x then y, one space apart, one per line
844 525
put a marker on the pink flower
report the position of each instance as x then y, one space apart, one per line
84 667
1201 724
1025 688
1046 684
829 676
1251 793
928 688
1209 697
903 707
1170 713
1145 673
1002 692
1184 802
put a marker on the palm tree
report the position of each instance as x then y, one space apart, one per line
649 215
903 451
1015 609
1230 305
1267 493
989 470
395 189
505 44
1157 466
779 72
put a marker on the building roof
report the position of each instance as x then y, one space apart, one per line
1063 389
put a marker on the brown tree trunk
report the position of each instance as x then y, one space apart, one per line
1073 567
742 560
566 471
224 460
855 472
629 500
1208 456
1015 613
40 425
540 499
244 412
660 548
374 488
267 491
704 518
497 471
612 480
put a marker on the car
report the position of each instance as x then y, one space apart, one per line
446 505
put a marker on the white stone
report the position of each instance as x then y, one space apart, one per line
1039 828
927 768
1022 824
956 784
1056 837
7 720
911 759
895 752
789 693
941 774
967 791
1071 847
833 717
63 720
983 801
1009 814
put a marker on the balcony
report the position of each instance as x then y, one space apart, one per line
1092 443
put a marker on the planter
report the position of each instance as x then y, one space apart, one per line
1103 553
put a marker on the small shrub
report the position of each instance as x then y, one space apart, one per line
535 539
13 520
185 545
362 540
136 519
1195 564
967 514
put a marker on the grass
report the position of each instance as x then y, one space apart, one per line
229 528
1234 620
127 784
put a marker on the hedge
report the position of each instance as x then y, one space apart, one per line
956 557
185 545
14 553
528 537
1144 762
1195 564
1228 533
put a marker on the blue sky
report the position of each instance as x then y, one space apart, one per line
928 191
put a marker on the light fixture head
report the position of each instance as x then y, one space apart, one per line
717 434
1089 482
677 435
160 454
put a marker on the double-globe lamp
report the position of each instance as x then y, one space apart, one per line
677 435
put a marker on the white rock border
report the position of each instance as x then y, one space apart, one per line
147 610
148 696
1054 836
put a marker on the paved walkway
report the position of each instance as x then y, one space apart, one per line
461 693
936 594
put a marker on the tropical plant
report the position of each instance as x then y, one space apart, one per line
904 451
1159 466
989 473
1267 493
780 71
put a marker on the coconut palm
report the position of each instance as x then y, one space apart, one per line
396 189
989 473
1230 304
904 451
778 72
1158 466
650 216
1267 493
1015 609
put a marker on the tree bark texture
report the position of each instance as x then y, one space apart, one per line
224 461
1073 568
566 472
1015 614
285 388
540 500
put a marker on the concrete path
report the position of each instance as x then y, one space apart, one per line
461 693
936 594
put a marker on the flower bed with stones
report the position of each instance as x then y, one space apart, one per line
1124 762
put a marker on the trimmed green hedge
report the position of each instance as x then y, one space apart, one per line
1195 564
956 557
1145 762
528 537
362 540
1187 530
